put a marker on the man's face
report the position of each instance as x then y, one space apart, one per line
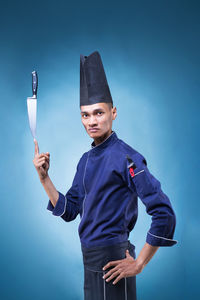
97 119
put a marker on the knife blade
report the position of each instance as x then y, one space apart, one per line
32 105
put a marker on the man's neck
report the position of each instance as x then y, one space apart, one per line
102 138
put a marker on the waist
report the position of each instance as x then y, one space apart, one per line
97 257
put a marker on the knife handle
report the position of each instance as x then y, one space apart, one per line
34 83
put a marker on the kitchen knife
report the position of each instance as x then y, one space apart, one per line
32 105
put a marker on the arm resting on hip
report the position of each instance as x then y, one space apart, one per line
146 253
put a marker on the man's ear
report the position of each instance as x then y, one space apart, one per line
114 112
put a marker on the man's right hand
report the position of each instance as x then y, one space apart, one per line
41 162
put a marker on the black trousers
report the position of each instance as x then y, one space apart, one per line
95 287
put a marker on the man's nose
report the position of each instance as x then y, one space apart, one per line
93 121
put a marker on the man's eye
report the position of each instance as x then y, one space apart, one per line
84 115
100 112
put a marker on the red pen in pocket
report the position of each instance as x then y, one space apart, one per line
131 166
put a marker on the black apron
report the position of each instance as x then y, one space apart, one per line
95 287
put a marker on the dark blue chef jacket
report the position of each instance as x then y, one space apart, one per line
105 195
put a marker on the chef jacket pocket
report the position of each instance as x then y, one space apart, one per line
144 182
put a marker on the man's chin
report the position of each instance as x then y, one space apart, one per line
96 134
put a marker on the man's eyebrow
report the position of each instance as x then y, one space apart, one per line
95 110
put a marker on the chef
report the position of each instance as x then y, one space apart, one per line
108 181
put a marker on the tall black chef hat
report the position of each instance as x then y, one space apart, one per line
93 83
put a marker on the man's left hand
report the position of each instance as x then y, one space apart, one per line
126 267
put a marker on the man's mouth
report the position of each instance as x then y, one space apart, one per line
93 129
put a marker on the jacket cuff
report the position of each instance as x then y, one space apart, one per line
159 241
60 206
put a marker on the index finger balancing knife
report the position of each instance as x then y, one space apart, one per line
32 104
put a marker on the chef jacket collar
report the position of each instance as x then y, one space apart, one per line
107 142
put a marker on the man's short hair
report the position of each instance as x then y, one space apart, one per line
110 105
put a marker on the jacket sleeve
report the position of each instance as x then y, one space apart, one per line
67 207
158 205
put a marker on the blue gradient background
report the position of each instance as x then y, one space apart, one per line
150 50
